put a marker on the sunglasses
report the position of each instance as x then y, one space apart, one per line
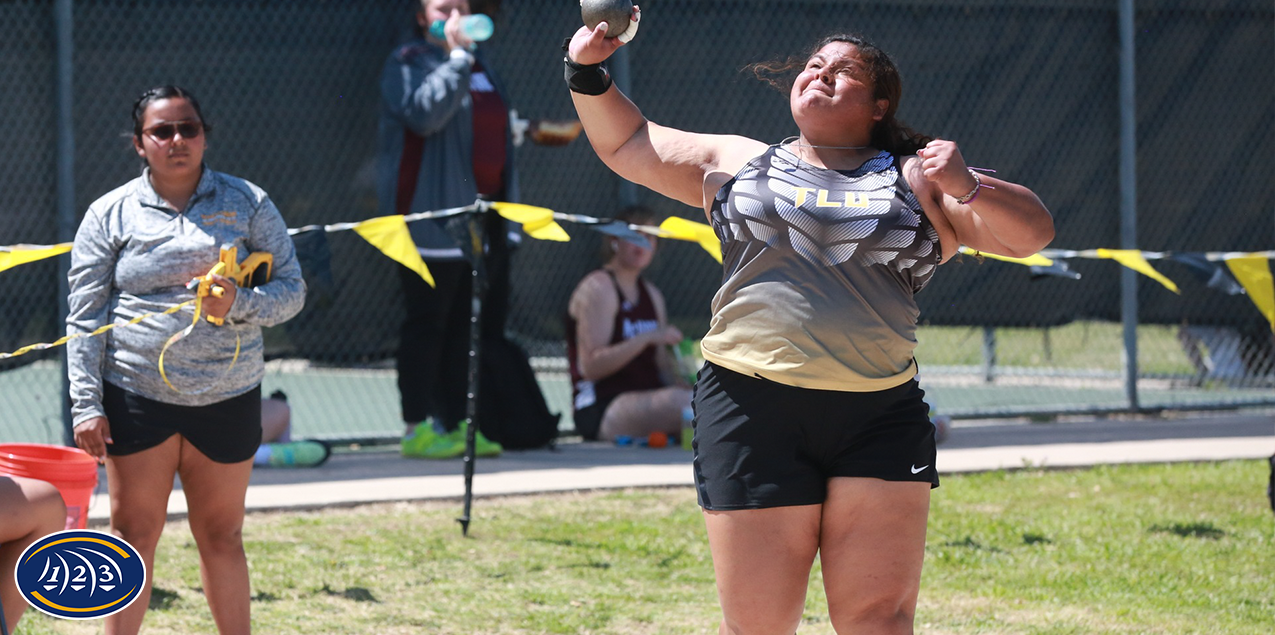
166 131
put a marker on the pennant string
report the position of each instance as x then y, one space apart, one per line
391 236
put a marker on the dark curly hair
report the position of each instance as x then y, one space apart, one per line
889 134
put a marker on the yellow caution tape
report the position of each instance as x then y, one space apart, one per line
40 347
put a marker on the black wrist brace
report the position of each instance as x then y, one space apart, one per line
586 79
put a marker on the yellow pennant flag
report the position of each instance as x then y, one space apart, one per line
538 222
11 257
1133 259
1254 272
682 229
390 235
1034 260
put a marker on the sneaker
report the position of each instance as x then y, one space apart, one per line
425 443
482 445
298 454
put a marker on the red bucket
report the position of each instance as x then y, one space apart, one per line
70 470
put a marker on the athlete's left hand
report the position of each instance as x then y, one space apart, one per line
943 165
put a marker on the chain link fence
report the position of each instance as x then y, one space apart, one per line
1029 88
30 389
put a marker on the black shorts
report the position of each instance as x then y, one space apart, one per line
762 444
588 420
227 432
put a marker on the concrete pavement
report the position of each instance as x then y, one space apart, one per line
380 474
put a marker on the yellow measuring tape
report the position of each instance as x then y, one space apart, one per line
204 287
45 346
254 271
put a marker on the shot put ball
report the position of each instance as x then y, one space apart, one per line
615 13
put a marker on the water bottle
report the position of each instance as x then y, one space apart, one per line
477 27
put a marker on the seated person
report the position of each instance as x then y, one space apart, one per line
277 447
29 510
622 377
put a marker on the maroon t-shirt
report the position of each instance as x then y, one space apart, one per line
491 119
642 373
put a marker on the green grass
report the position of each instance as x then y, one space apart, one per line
1183 548
1078 345
1152 549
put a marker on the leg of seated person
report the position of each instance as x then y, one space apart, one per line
641 412
29 511
276 421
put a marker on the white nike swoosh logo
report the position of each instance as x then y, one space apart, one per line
918 470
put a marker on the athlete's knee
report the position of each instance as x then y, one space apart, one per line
48 508
757 627
888 612
218 536
777 617
142 533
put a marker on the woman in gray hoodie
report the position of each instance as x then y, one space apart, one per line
135 252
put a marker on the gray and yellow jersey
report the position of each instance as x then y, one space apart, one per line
820 269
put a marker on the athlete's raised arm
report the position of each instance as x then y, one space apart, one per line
673 162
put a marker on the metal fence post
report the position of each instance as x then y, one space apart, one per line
63 17
989 354
1128 200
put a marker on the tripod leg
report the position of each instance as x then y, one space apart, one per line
475 359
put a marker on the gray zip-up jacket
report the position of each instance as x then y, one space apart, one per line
426 141
134 254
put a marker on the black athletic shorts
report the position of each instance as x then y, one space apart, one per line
588 420
227 431
762 444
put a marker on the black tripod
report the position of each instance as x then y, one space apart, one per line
474 243
476 223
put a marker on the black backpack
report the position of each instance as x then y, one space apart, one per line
511 409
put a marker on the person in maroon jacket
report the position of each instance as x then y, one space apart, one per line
617 346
